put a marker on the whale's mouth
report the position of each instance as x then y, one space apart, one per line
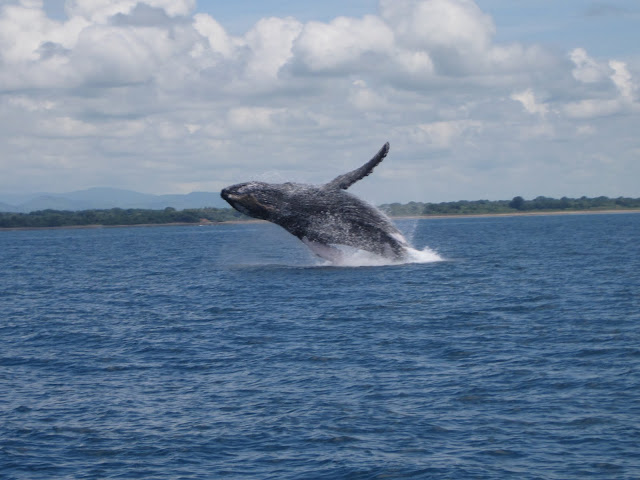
232 197
235 200
228 194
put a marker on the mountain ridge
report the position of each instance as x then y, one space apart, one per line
106 198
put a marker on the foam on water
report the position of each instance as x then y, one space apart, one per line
426 255
354 257
360 258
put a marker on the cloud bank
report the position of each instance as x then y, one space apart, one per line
153 96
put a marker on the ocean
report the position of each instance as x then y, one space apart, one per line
509 350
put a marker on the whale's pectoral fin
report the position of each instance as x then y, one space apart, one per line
345 181
322 250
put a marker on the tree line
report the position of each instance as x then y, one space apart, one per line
116 216
515 205
136 216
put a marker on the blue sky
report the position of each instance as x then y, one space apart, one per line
479 99
238 17
605 28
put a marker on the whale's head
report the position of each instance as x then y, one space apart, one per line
255 199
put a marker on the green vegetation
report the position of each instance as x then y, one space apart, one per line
116 216
135 216
517 204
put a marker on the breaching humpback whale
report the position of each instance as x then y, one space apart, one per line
323 216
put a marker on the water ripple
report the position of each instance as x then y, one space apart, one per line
230 352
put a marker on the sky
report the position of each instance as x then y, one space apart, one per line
485 99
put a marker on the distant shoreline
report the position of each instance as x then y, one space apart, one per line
97 226
522 214
136 225
401 217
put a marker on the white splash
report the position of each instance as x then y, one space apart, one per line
426 255
352 257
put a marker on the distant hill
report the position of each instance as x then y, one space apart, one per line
5 207
106 198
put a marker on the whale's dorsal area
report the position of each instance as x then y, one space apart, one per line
346 180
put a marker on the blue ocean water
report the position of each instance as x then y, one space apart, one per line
231 352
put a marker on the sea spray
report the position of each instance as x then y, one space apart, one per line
353 257
360 258
426 255
408 228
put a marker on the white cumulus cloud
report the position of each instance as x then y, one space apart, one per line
586 69
156 96
454 32
101 10
529 102
342 43
622 80
271 43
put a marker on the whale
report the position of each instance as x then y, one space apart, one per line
324 217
